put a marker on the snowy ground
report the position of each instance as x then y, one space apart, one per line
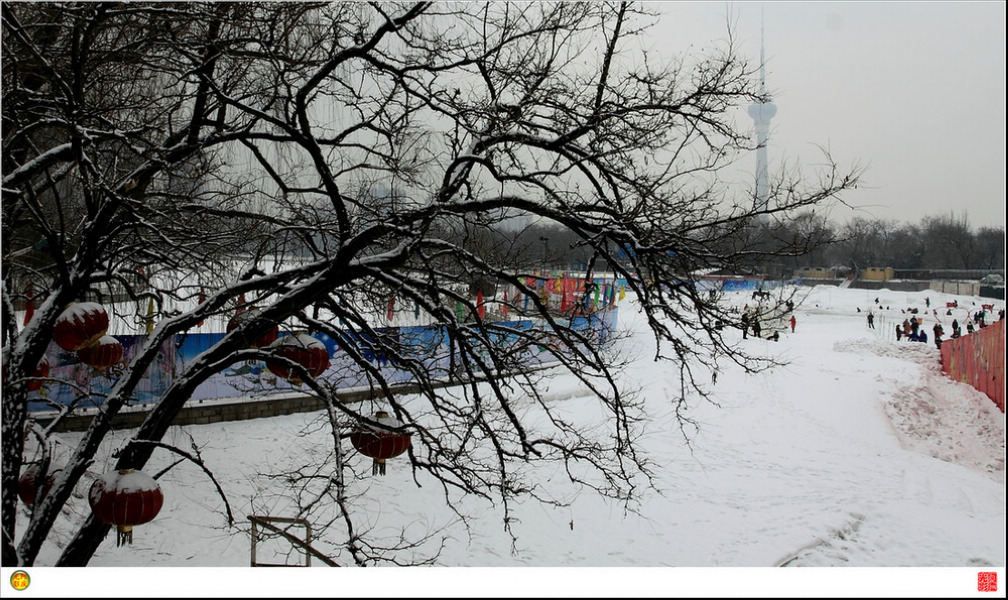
858 453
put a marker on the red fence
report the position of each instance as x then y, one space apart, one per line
979 360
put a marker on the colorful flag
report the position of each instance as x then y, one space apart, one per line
391 307
480 309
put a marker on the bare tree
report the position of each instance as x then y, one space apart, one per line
949 242
312 158
863 243
990 243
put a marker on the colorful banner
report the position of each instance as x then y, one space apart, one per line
250 379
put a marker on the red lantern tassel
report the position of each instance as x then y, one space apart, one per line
124 535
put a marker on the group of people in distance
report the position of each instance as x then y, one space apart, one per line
911 329
752 321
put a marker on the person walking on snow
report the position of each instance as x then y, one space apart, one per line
871 320
793 322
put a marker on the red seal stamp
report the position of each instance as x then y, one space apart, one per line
987 581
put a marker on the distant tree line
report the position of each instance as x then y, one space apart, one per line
936 242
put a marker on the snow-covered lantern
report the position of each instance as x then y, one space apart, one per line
29 481
303 349
101 355
41 372
247 315
125 498
80 325
380 443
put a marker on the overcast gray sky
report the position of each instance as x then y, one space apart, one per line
913 90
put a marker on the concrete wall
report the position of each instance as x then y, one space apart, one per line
896 286
961 288
201 413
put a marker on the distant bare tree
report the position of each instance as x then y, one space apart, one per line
990 245
863 242
948 241
906 248
312 157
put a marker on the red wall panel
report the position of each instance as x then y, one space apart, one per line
979 360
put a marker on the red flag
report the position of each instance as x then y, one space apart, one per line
504 306
30 305
391 307
480 309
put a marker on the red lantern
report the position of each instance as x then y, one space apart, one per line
303 349
125 498
247 315
380 444
80 325
41 372
28 483
101 355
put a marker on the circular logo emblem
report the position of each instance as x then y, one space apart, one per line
19 580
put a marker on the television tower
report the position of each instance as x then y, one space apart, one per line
761 114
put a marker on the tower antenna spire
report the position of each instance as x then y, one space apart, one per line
762 59
761 113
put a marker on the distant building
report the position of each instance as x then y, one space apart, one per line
817 273
878 273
